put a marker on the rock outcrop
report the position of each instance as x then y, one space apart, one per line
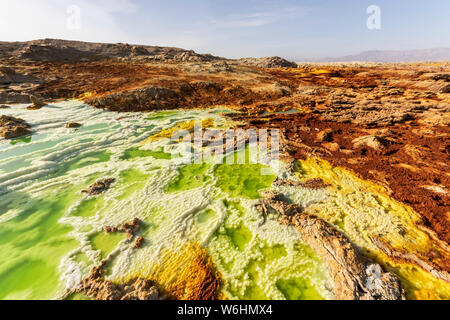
11 127
99 187
375 142
96 287
37 103
55 50
355 277
130 228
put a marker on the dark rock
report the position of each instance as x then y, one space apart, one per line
326 135
138 243
13 127
99 187
37 103
73 125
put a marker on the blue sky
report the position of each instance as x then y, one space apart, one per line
231 28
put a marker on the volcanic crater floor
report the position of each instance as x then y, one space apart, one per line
364 164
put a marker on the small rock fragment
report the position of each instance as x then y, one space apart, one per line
73 125
36 103
138 243
332 146
375 142
99 187
325 135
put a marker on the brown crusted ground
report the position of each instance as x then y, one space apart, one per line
408 164
387 122
120 86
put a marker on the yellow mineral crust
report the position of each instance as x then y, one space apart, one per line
384 228
183 273
183 126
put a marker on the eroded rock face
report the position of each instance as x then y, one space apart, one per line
148 98
6 75
99 187
11 127
375 142
37 103
355 277
325 135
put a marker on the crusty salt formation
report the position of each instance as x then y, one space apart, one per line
201 235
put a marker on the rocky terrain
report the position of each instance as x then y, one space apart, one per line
388 123
11 127
355 277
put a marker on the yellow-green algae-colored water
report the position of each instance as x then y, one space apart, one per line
51 234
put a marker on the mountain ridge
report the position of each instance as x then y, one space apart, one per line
390 56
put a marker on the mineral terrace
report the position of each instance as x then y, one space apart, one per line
385 127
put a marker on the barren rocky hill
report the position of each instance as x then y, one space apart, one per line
54 50
70 51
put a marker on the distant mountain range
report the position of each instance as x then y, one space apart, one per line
437 54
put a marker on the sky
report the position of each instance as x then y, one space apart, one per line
293 29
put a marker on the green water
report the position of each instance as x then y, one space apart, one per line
256 269
82 258
298 289
239 236
189 177
32 244
77 296
21 140
105 243
131 181
134 153
162 115
89 207
242 180
205 216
